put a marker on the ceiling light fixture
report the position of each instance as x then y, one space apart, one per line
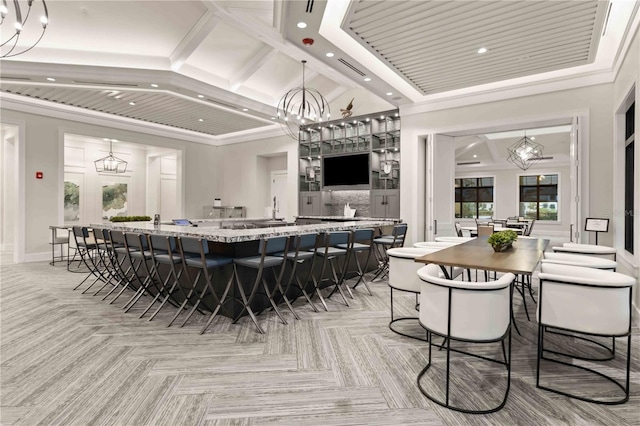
525 152
300 106
110 163
367 79
200 120
301 25
132 103
389 93
245 109
482 50
19 15
201 96
329 55
154 85
51 79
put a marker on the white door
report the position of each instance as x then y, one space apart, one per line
168 202
440 179
279 191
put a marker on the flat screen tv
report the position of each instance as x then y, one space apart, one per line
346 171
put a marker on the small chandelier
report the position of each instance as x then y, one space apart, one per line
525 152
19 15
110 163
301 106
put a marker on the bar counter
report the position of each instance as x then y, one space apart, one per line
215 234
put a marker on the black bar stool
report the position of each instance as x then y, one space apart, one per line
361 243
267 259
384 243
330 253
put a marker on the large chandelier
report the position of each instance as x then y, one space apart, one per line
301 106
17 14
525 152
110 163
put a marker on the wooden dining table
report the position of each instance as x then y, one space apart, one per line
521 259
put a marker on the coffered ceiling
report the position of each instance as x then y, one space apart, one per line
216 69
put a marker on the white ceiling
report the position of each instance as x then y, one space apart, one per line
246 54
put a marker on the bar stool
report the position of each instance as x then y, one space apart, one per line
106 259
86 247
137 249
361 242
385 242
304 249
330 253
267 259
194 253
121 260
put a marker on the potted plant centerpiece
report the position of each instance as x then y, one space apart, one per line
502 240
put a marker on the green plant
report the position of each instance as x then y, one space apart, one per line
502 238
130 218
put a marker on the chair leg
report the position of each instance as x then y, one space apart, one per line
247 300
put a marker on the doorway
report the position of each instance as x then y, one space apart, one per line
279 193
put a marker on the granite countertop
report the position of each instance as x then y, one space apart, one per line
240 235
343 218
235 219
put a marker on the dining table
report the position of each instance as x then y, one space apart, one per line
521 259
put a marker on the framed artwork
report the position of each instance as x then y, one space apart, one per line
71 201
114 200
597 225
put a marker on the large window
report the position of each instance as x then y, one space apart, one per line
474 198
539 197
629 185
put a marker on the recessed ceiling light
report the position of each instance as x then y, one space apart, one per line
533 138
201 96
118 97
132 103
367 79
200 119
273 118
389 93
245 109
51 79
301 25
105 139
475 156
329 54
483 50
154 85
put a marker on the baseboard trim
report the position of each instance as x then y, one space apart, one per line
37 257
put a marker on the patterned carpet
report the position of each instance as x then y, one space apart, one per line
70 358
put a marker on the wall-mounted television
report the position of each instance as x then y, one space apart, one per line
346 171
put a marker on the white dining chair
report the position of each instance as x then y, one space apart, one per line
586 249
580 260
469 312
578 304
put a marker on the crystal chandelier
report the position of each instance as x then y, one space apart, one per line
17 14
301 106
110 163
525 152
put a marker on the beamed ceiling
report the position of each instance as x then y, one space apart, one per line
218 68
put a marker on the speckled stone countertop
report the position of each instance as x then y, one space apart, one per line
233 219
347 218
240 235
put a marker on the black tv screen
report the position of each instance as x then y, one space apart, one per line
346 170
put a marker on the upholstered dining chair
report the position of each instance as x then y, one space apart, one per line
577 305
469 312
586 249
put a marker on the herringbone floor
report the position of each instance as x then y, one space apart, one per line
70 358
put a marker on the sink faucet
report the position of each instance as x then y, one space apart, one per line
274 208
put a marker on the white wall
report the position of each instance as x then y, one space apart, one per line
628 75
506 196
7 187
43 151
245 173
593 104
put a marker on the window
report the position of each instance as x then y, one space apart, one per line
629 186
539 197
474 198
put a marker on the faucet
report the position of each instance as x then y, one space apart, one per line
273 216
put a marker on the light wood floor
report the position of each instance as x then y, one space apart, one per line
70 358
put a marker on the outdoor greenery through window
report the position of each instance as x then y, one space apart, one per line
539 197
474 198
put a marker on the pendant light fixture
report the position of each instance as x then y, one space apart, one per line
301 106
14 23
525 152
110 163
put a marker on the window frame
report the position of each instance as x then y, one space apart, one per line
477 177
538 202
